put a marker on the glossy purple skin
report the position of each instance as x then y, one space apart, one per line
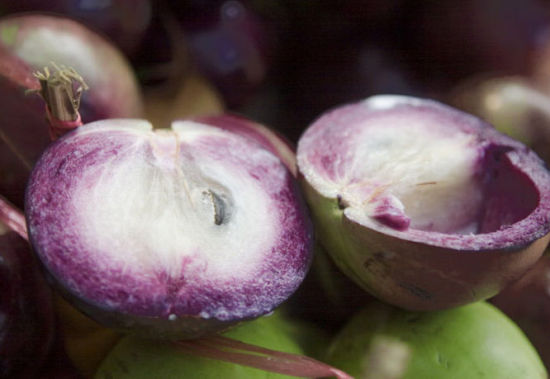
26 312
135 303
423 269
24 128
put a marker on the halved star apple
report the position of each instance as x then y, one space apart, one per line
167 233
424 206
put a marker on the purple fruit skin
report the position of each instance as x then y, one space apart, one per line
118 95
145 302
26 311
25 132
427 270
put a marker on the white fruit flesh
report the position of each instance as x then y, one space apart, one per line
173 208
403 170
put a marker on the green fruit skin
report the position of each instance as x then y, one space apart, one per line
414 275
473 341
136 358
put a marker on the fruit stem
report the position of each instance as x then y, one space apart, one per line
61 89
233 351
13 218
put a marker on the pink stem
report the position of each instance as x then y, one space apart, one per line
59 127
13 218
233 351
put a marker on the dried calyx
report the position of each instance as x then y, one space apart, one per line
61 89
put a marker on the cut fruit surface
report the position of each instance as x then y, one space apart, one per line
417 172
193 222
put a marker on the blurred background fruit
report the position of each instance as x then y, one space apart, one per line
527 302
473 341
230 43
26 312
32 42
513 104
124 22
84 341
194 97
138 358
448 41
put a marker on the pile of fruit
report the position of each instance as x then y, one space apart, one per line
261 188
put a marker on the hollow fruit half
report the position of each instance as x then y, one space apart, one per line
168 233
424 206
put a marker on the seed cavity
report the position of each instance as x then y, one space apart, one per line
221 214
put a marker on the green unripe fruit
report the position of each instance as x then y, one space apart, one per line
473 341
137 358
